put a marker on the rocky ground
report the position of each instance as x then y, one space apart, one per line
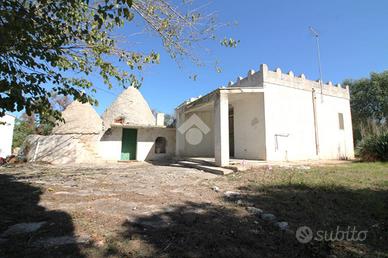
142 210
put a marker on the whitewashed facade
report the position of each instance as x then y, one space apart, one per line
273 116
86 137
7 124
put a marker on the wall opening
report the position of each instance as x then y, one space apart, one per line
160 145
341 121
231 131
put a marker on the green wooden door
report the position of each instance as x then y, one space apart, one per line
128 144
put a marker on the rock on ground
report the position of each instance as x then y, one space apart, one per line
62 240
268 217
254 210
231 194
283 225
22 228
216 189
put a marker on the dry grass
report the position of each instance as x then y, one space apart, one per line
324 198
132 210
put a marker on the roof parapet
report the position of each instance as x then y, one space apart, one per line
263 68
264 75
257 79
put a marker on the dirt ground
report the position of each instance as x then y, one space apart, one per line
137 210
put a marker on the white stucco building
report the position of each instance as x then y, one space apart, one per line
131 132
7 124
126 131
267 115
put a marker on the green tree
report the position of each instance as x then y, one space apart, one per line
52 47
169 120
21 130
32 124
369 104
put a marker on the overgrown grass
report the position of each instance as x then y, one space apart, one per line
324 198
353 175
374 147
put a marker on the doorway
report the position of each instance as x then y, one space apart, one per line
128 144
231 131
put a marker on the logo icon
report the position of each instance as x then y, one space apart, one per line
194 129
304 234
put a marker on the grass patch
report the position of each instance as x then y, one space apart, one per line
324 198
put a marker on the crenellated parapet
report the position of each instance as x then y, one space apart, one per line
264 77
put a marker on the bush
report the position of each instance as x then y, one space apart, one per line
374 147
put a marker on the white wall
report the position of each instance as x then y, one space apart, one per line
109 147
249 126
334 143
146 137
290 111
179 138
60 148
206 147
6 135
110 143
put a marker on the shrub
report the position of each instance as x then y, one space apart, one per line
374 147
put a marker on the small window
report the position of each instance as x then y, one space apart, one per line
160 145
341 121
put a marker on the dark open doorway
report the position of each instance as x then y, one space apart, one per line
231 131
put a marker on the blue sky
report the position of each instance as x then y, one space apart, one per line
353 36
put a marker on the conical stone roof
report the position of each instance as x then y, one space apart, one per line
131 107
79 119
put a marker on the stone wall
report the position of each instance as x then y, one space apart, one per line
61 149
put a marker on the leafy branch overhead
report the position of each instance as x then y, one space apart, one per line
54 46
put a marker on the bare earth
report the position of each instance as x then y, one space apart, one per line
135 210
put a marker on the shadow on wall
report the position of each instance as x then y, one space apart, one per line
208 230
19 204
54 148
112 134
160 150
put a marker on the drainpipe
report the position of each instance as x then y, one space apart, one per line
315 121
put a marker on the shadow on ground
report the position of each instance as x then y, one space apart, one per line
326 208
204 230
19 204
207 230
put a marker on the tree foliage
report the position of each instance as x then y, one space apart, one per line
21 130
369 104
374 147
53 46
35 124
169 119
